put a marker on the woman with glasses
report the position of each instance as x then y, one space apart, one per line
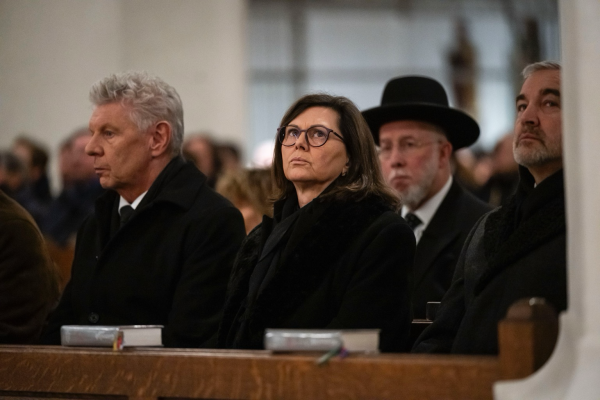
336 255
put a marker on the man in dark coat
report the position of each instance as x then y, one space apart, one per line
28 280
519 249
417 131
160 246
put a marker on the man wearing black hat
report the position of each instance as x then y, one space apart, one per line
417 131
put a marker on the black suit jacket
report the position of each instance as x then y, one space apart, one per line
441 244
168 265
349 269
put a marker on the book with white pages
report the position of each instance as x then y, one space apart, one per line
352 340
111 336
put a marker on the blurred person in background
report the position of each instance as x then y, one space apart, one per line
482 167
250 192
35 157
81 188
504 180
463 163
202 151
14 181
65 163
229 157
417 132
13 174
23 176
336 255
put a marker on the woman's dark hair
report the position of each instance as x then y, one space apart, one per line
364 176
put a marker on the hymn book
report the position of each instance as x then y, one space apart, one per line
352 340
111 336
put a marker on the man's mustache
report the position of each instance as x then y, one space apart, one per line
531 130
397 173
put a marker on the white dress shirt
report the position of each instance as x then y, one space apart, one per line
428 209
136 202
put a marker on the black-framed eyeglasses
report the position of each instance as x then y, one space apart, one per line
316 135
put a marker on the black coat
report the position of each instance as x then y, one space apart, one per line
516 251
168 265
352 268
441 244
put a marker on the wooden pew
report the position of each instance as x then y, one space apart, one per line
87 373
526 337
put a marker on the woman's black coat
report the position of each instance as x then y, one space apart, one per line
350 269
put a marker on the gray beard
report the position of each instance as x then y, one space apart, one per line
540 154
414 195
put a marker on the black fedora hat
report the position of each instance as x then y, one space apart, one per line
422 99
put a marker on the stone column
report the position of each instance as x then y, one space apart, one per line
573 371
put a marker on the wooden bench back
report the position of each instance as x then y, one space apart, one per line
60 372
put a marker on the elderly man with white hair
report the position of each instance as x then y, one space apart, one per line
159 248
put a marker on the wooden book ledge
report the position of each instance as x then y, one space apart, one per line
86 373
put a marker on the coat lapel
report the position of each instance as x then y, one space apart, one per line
172 185
178 183
106 212
437 237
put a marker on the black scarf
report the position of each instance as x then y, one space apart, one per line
289 219
271 251
530 218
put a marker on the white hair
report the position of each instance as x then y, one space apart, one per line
150 99
540 66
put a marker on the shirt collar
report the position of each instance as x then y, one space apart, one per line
136 202
428 209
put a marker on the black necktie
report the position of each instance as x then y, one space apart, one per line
126 212
412 220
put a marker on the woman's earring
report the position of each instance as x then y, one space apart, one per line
343 173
